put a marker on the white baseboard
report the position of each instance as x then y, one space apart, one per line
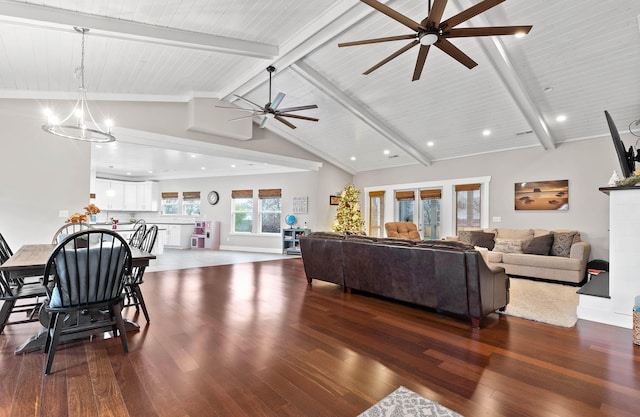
250 249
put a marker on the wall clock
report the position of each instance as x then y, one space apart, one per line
213 198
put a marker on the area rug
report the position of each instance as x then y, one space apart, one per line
544 302
405 403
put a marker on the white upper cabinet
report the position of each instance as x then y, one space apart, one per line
127 196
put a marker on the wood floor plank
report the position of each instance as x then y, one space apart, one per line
255 339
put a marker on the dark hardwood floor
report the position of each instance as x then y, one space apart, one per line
254 340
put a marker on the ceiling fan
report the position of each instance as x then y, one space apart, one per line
270 110
432 31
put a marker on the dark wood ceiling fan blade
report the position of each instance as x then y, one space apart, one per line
455 53
394 15
280 119
467 14
392 56
246 100
422 58
379 40
297 108
435 14
486 31
295 116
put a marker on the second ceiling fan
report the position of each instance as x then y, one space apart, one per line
432 31
271 110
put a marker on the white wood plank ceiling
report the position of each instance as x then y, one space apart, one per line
580 58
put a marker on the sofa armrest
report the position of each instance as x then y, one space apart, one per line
580 250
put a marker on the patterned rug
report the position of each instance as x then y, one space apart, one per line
544 302
406 403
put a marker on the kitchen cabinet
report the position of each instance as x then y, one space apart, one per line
127 195
178 235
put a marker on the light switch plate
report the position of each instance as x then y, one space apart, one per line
496 219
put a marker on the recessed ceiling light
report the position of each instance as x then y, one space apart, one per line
99 146
430 143
233 166
561 118
353 158
203 168
486 132
386 152
520 35
548 89
128 173
193 156
150 172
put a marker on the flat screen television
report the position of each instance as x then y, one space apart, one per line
627 163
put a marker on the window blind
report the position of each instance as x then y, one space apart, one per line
430 194
467 187
373 194
170 194
270 193
191 195
242 194
404 195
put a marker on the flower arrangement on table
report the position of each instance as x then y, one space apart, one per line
90 210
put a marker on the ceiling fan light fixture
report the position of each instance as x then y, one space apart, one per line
428 38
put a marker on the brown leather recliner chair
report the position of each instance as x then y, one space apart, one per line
404 230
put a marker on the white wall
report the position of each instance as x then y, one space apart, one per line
41 175
317 186
587 164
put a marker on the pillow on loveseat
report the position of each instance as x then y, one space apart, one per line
482 239
540 245
562 242
508 245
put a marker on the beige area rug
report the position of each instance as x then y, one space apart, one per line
544 302
405 403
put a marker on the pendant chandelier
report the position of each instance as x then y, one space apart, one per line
80 130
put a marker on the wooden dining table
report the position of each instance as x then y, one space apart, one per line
30 261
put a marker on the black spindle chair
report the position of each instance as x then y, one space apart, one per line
87 270
133 281
138 235
14 290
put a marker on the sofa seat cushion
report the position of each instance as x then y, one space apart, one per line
554 262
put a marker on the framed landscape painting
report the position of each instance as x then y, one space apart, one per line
542 195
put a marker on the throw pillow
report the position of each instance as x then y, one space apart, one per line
540 245
562 242
483 239
508 245
464 236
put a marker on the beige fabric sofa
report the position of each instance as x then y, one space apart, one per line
570 269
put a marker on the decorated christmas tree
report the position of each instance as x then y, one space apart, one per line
349 218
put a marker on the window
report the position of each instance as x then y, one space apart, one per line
430 206
467 206
242 211
270 210
191 203
376 213
405 206
170 203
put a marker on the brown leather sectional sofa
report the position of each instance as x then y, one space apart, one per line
450 277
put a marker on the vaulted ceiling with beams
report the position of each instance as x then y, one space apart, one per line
580 58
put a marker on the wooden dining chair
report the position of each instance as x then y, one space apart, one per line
135 279
84 279
138 235
13 290
67 229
